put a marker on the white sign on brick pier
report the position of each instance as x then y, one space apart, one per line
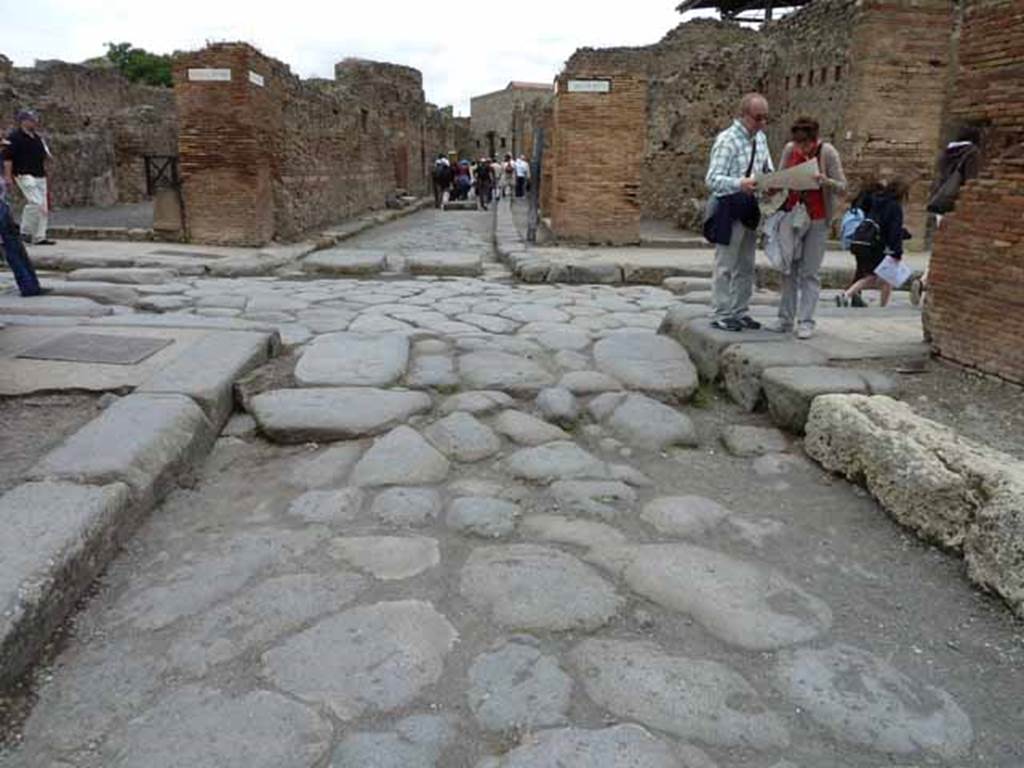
255 79
589 86
209 75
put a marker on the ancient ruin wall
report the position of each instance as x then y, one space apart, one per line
269 155
98 126
597 150
975 306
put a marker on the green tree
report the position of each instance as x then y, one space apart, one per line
139 65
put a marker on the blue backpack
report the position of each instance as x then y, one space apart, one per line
851 220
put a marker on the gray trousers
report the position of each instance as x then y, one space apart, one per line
734 274
802 286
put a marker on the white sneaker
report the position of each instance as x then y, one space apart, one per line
805 332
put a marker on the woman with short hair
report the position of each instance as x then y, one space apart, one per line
804 230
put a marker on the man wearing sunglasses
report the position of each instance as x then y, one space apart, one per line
733 215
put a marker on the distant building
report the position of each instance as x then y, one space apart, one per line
496 118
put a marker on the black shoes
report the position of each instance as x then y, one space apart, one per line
748 323
727 324
857 301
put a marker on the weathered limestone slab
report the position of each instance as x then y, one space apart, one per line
401 457
342 261
741 365
57 537
103 293
209 369
127 275
463 438
655 365
790 391
142 440
706 344
516 686
52 305
370 658
689 698
444 263
353 360
860 698
620 746
746 441
526 586
949 490
647 423
205 726
415 742
483 516
343 413
504 372
559 460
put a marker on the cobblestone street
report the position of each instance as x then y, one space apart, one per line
470 523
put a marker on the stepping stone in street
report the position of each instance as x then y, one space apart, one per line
741 366
47 306
684 515
525 429
401 457
199 725
483 516
444 263
653 364
692 699
732 599
862 699
790 390
351 359
324 414
128 275
373 658
504 372
388 558
647 423
406 506
560 460
530 587
345 261
518 687
461 437
415 742
620 746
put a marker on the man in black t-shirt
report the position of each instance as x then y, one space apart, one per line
25 165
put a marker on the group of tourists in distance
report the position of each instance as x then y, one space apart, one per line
486 179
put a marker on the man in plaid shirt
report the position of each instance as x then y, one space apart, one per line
740 151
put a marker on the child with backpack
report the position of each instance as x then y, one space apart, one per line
879 234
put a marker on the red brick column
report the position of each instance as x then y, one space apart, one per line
225 144
598 147
976 295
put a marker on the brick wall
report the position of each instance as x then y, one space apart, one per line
597 150
976 278
97 124
279 160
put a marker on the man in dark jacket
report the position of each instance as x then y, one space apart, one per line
14 249
25 165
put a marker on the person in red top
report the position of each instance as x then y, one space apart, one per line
805 228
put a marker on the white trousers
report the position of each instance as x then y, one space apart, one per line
37 210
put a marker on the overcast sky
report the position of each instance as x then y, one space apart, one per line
458 59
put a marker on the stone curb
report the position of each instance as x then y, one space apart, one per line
961 495
83 500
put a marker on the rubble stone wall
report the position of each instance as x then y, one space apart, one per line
975 307
97 124
503 113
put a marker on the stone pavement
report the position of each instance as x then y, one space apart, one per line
471 523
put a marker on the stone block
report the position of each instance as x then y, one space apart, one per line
57 538
353 359
949 490
444 263
706 344
341 261
790 391
142 440
207 371
124 275
52 305
740 367
653 364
